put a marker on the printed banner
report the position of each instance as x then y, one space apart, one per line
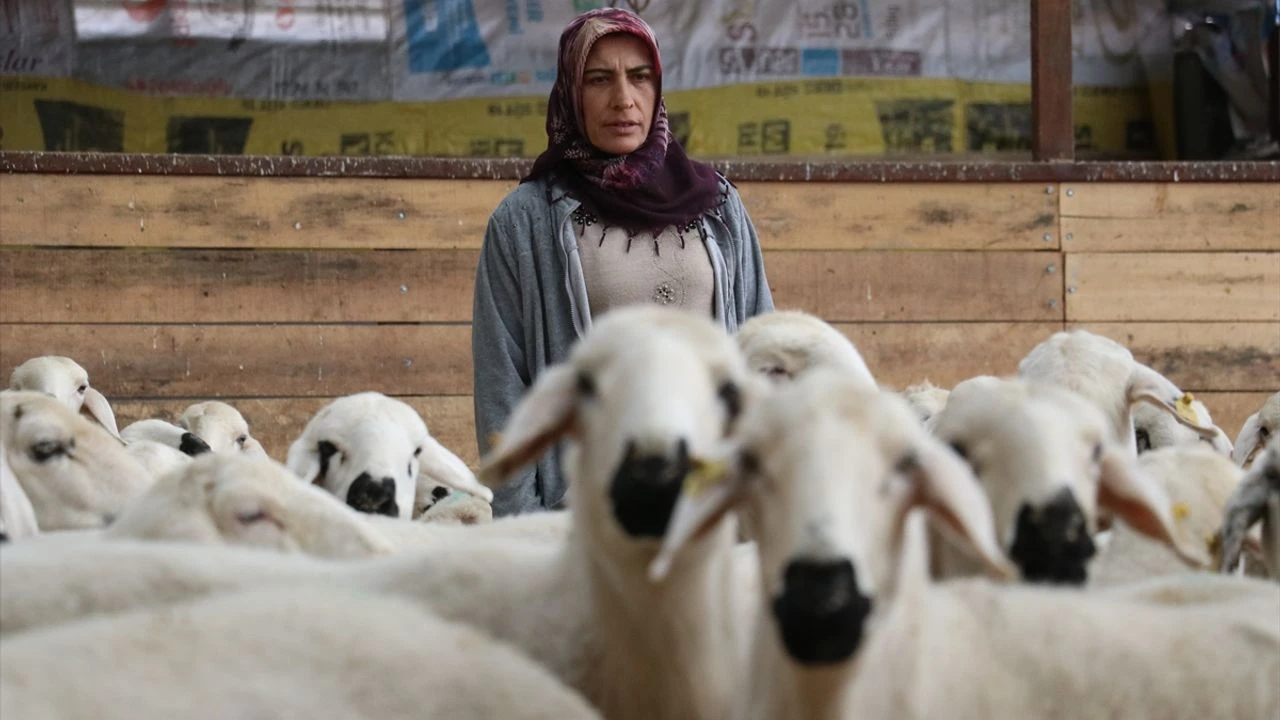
808 118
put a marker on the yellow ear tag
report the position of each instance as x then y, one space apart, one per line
702 476
1185 410
1181 511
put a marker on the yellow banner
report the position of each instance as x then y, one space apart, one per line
815 117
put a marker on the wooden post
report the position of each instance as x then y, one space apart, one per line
1273 82
1052 131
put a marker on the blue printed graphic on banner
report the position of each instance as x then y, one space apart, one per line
824 62
443 35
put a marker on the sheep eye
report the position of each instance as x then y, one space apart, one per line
251 518
586 386
417 451
242 440
1143 439
82 389
1264 432
748 462
731 396
960 450
46 450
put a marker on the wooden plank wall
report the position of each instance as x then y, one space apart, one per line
279 294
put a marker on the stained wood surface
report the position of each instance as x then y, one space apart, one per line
252 286
259 213
1170 217
1204 356
215 361
1226 287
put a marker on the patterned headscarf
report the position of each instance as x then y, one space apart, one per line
654 186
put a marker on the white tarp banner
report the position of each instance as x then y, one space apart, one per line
444 49
481 48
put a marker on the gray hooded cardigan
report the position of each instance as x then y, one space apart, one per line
530 306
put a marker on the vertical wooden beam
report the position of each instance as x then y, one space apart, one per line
1273 83
1052 130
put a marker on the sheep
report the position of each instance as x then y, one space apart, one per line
277 653
1105 372
74 472
222 427
254 501
66 380
927 400
370 449
1154 429
1256 498
783 344
645 393
851 626
452 530
1050 464
17 517
1198 481
61 578
166 433
457 508
1257 430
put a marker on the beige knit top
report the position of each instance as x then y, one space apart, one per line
622 268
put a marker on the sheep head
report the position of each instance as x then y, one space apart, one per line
1048 461
644 396
64 379
831 469
225 498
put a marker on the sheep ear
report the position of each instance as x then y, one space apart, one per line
710 491
1151 387
545 414
440 465
943 484
1250 441
1140 501
1244 508
100 409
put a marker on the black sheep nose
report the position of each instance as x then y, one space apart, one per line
821 611
375 497
645 489
1051 543
193 444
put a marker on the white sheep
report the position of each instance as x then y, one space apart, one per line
161 447
277 653
234 498
1256 499
644 395
1105 372
850 625
1154 428
74 472
222 427
165 433
1049 463
785 343
1198 481
17 517
370 450
66 380
926 399
1257 431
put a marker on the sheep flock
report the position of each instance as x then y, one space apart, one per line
756 528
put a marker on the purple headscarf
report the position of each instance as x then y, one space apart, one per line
648 189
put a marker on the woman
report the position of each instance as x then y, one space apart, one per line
612 213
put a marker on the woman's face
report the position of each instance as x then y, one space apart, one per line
618 93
